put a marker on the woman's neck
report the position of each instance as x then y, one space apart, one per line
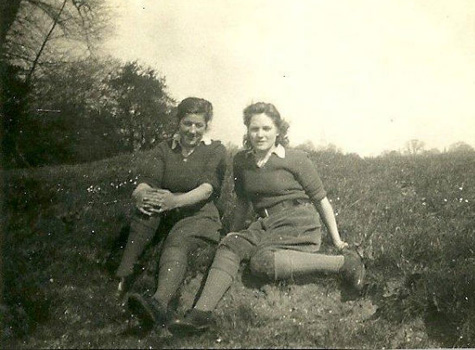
188 148
186 151
263 154
262 157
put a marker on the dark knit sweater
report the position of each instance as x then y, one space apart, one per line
166 168
280 179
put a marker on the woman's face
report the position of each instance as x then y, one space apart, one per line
191 129
262 132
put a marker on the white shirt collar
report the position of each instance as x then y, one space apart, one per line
177 138
278 150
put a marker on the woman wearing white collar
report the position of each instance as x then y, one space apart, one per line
179 183
285 190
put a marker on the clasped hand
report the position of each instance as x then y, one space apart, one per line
155 201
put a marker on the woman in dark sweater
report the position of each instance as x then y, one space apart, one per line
178 185
286 192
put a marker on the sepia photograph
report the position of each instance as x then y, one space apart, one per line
224 174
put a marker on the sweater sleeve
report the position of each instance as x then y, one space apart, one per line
215 168
307 175
151 166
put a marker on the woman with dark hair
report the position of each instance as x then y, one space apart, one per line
285 191
175 196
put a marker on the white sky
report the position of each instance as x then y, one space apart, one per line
365 75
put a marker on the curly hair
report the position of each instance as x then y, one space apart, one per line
272 112
195 105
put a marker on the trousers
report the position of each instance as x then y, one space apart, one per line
182 231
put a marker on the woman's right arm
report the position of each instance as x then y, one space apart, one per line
240 215
150 167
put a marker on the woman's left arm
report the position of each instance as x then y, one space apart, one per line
168 200
325 210
211 182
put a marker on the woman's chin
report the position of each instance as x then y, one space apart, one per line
191 143
261 148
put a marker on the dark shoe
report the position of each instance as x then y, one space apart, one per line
194 322
148 310
353 270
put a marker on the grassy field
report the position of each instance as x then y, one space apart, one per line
412 217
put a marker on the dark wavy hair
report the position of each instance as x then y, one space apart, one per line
272 112
195 105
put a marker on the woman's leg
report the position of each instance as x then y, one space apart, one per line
233 249
220 277
172 269
299 226
285 263
142 231
186 236
289 263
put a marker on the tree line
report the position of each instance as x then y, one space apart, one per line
83 111
61 102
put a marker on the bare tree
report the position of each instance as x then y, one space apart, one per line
414 147
39 34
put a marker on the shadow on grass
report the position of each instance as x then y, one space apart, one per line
134 328
250 280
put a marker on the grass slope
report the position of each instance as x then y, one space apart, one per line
411 217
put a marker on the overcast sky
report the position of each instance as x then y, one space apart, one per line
364 75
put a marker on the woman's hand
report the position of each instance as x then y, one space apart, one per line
148 199
166 201
151 200
341 245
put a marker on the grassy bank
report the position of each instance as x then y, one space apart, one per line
411 217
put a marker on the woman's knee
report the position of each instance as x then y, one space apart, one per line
230 239
140 220
236 244
262 264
